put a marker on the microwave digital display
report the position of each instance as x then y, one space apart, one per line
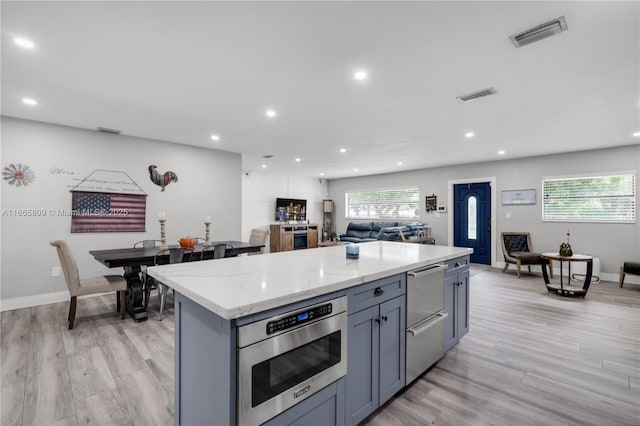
298 318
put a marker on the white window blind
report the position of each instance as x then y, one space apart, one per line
385 204
610 198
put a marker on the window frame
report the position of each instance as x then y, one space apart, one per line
634 198
383 218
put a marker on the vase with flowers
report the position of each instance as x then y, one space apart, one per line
565 248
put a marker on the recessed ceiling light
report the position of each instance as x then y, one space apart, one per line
355 170
321 174
23 42
215 138
264 166
343 150
29 101
271 113
399 163
360 75
298 160
469 135
502 152
636 134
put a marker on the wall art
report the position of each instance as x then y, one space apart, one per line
519 196
18 174
161 179
108 201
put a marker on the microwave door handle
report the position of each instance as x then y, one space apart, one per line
419 273
423 326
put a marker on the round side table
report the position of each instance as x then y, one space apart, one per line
568 289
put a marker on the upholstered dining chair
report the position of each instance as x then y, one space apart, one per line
259 236
176 255
517 249
82 286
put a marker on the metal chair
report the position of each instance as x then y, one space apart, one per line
176 255
81 286
147 243
216 251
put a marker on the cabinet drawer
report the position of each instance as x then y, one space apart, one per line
375 292
456 266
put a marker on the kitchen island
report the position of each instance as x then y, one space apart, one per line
214 299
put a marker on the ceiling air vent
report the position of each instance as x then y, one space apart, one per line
267 156
107 130
548 29
475 95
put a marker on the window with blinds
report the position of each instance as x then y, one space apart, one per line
386 204
610 198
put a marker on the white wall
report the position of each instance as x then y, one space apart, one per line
209 183
612 243
259 193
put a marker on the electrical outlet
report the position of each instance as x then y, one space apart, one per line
55 271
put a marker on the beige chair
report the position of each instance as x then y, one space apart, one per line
259 236
516 248
82 286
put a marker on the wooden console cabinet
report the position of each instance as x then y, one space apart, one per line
285 235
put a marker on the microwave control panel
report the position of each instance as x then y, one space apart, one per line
294 320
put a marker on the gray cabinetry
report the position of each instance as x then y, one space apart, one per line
325 408
456 301
376 345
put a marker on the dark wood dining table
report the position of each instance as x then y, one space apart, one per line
133 259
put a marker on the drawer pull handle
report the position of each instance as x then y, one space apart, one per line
378 291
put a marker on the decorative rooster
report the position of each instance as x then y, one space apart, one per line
161 180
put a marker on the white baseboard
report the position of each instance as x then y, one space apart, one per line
30 301
38 300
604 276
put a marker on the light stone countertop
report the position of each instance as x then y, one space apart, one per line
238 286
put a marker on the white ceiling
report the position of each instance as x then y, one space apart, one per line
181 71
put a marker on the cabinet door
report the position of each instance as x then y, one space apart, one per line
362 365
312 238
286 242
462 304
450 331
392 347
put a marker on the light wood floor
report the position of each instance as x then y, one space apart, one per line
530 358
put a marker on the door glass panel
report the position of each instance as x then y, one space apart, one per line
472 216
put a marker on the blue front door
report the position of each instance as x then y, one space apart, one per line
472 219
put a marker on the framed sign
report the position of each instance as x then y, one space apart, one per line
519 196
431 202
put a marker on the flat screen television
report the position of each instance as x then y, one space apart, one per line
291 209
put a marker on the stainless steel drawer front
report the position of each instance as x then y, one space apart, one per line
425 346
425 293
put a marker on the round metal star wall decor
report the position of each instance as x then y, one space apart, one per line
18 174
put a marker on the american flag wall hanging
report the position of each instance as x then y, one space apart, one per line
108 201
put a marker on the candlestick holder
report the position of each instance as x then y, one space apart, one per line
163 237
206 243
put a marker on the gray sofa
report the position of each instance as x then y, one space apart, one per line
360 232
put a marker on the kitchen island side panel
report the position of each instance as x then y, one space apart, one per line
205 391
